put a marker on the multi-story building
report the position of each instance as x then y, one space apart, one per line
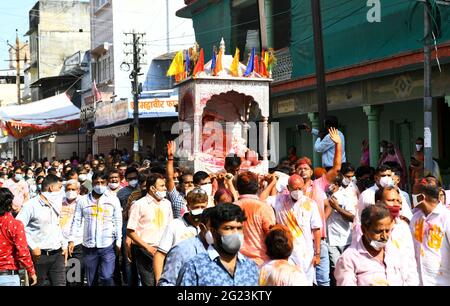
57 30
373 55
164 32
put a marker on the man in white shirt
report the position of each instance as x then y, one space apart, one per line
339 224
301 215
148 220
99 215
430 227
383 178
181 228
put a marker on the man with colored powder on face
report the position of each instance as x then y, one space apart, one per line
301 215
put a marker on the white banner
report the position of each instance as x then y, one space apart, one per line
108 113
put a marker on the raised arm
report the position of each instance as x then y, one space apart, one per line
337 162
170 183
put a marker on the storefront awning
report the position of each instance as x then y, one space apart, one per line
115 131
54 114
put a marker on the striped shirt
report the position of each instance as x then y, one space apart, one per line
102 221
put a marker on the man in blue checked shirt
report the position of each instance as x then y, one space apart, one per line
222 265
102 230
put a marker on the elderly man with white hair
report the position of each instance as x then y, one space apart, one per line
66 218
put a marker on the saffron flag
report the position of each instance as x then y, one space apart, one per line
234 68
200 66
177 66
256 65
251 63
213 62
218 67
263 67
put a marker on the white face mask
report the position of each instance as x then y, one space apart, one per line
378 245
71 195
207 188
100 189
386 181
82 177
55 198
114 186
346 181
133 183
296 194
418 147
160 194
209 238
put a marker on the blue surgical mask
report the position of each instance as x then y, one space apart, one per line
18 177
100 189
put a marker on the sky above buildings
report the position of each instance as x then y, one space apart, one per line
13 15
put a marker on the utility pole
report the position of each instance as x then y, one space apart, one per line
428 99
320 65
17 50
167 26
136 86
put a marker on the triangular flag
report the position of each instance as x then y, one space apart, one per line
266 62
256 66
218 67
251 63
187 64
200 66
213 62
177 66
263 67
234 68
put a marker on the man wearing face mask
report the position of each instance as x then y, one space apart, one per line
301 215
85 182
186 250
383 178
72 190
203 180
430 227
223 264
373 260
181 228
114 181
98 215
147 222
41 218
19 188
177 198
131 175
260 217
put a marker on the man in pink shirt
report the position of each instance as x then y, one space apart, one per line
373 260
315 190
19 188
260 217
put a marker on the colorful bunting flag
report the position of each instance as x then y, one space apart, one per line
200 66
234 68
177 66
218 67
251 63
256 65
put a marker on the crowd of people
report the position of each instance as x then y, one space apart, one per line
115 222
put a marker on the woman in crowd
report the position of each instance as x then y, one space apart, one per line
279 271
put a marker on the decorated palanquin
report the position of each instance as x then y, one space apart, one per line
224 112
